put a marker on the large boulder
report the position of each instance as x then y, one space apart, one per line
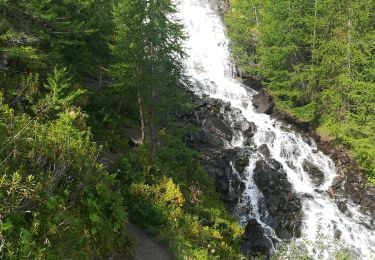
315 173
203 141
240 157
263 103
252 82
282 203
249 132
227 180
217 127
263 149
226 164
256 241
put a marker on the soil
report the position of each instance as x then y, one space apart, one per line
147 248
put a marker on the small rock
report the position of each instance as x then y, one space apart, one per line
342 206
337 233
263 149
337 180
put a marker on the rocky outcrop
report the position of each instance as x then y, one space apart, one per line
227 165
280 207
217 127
253 82
351 186
283 205
219 123
263 103
316 174
227 180
256 237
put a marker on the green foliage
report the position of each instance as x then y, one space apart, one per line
110 112
59 58
243 30
175 200
318 60
56 201
58 83
147 47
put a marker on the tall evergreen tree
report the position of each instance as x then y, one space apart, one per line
148 49
318 58
243 20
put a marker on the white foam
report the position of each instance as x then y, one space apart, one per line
210 66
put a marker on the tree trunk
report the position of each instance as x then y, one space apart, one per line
5 57
153 128
349 46
349 58
153 124
256 16
315 23
141 116
100 77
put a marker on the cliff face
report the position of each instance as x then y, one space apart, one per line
279 207
352 186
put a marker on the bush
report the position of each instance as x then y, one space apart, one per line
55 200
174 199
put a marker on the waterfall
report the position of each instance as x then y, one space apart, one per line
210 67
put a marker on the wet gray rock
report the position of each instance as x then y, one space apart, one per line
241 162
227 181
253 82
342 206
316 175
263 103
337 233
337 181
215 118
241 125
255 240
368 202
291 165
270 136
263 149
283 204
217 127
250 131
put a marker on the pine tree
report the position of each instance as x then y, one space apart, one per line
243 21
148 49
318 58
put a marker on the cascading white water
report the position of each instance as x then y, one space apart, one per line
210 67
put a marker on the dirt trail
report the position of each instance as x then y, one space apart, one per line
146 248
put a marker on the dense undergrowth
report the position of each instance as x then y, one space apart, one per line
174 199
318 59
74 75
55 200
170 196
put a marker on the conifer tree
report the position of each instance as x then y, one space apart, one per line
148 49
318 59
